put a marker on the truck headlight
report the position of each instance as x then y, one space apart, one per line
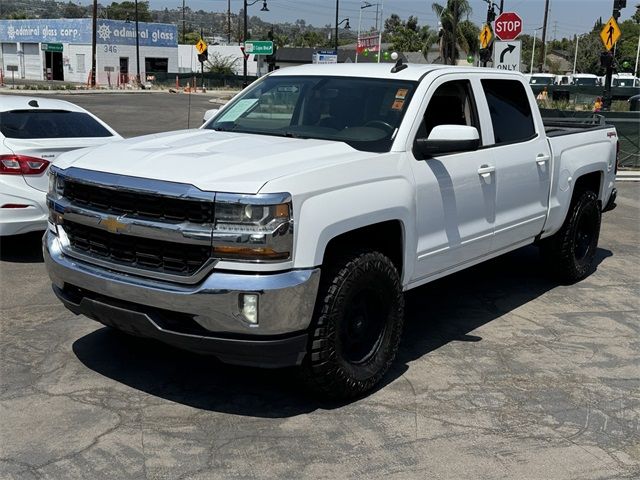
257 228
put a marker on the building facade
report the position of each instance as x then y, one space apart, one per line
61 50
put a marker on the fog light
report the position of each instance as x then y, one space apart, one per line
249 307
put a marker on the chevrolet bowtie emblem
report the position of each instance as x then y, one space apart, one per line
113 225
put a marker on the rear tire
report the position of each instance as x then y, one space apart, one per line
571 251
357 326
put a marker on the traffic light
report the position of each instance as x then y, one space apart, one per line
485 54
606 59
204 56
617 6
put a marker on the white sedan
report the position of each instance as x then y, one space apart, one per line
33 133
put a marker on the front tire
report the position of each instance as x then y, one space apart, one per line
357 326
571 251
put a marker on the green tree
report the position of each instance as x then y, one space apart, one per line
71 10
453 34
127 11
217 63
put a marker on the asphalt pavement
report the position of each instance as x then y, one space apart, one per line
502 374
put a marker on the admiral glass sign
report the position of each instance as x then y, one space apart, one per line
78 31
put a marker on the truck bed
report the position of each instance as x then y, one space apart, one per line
559 126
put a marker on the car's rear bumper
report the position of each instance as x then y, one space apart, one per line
22 208
204 318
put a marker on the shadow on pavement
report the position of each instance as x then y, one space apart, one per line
25 248
443 311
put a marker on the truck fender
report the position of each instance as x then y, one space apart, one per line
329 214
569 166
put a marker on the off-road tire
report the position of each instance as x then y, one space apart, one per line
571 251
367 285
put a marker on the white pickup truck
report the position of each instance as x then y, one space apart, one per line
285 230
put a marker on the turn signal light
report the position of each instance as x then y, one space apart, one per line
22 165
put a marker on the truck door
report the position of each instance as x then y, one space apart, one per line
522 159
455 204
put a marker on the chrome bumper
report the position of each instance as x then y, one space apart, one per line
286 300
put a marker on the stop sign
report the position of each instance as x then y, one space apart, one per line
508 26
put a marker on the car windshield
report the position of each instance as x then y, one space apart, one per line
362 112
541 80
586 82
34 123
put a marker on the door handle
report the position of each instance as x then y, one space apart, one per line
542 158
486 170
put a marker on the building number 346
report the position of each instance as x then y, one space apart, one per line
111 49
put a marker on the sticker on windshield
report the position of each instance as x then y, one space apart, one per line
238 109
401 94
397 105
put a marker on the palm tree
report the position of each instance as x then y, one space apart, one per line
455 31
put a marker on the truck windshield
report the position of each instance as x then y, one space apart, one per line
541 80
362 112
586 82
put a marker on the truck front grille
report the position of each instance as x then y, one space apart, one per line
136 252
138 204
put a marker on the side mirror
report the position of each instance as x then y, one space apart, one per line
209 114
449 139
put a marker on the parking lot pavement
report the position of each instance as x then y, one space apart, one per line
502 373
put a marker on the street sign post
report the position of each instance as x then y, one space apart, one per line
508 26
485 36
506 55
258 47
610 34
13 69
51 47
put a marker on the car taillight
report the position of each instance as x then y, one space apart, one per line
617 155
22 165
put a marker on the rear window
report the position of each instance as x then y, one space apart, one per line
50 124
510 111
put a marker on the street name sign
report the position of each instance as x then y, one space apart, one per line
508 26
485 36
610 34
51 47
506 55
258 47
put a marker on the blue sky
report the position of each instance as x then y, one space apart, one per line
572 16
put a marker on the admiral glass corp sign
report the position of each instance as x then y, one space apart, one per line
78 31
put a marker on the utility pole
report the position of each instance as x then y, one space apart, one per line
336 39
555 30
183 25
454 57
92 81
544 36
137 48
229 22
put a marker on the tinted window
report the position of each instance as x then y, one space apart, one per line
510 111
451 104
50 124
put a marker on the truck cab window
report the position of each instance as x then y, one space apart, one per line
451 104
510 111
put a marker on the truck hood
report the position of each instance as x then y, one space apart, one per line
210 160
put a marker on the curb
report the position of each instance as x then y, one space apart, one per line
628 176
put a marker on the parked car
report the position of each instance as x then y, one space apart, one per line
286 230
33 133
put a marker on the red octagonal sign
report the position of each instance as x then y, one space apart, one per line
508 26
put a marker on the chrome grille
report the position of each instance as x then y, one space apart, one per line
137 252
138 204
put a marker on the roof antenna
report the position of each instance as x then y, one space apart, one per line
33 103
399 66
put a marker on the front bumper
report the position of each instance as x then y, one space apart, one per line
205 318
